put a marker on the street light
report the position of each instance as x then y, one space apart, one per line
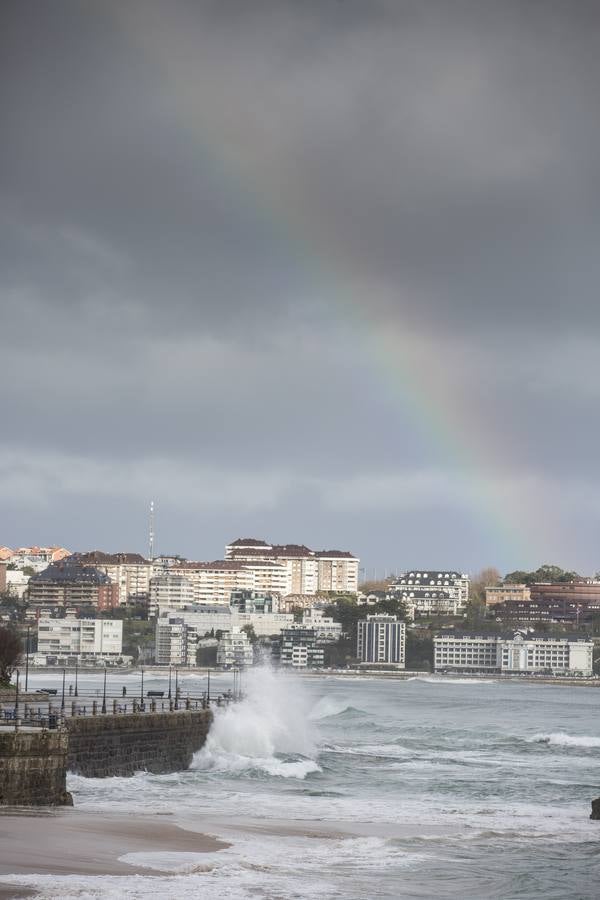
142 694
104 693
17 703
62 702
176 688
27 660
169 682
208 686
76 666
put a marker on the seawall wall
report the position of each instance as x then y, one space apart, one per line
33 768
104 745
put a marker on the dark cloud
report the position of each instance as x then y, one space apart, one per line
310 253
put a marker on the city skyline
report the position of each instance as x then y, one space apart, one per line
320 269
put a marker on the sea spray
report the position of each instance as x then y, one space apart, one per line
267 731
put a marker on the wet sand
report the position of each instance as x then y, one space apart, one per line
72 842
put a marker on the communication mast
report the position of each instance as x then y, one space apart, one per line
151 536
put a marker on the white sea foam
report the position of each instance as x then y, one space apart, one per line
442 679
561 739
263 731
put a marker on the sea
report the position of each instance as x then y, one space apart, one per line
367 787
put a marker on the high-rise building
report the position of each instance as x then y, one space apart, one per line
235 650
131 572
381 640
308 571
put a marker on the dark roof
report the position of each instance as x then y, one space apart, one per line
100 558
248 542
69 571
335 554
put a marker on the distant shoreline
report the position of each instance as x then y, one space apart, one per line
401 674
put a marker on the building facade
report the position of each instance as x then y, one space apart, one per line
131 572
235 650
500 593
89 640
381 640
432 593
70 584
307 571
300 649
512 653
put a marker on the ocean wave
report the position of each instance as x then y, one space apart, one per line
561 739
238 764
328 707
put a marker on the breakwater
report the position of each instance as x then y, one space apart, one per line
34 762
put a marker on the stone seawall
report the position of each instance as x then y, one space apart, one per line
33 768
104 745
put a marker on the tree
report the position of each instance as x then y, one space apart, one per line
10 651
249 629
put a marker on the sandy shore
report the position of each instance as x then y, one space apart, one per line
73 842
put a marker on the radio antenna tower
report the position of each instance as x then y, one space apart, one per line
151 535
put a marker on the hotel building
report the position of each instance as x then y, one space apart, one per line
515 652
432 593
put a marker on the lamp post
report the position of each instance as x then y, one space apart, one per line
142 693
208 686
62 702
104 693
176 687
27 660
76 666
17 703
169 682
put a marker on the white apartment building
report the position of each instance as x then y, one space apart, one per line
517 652
432 593
300 648
381 640
235 649
86 639
324 626
308 571
170 590
214 581
203 620
171 642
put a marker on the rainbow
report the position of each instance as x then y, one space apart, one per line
230 140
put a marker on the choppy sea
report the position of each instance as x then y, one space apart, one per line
337 787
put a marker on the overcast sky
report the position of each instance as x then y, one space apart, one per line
319 271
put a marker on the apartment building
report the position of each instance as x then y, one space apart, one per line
572 591
70 584
432 593
215 581
308 571
500 593
170 590
300 648
131 572
235 650
91 640
525 652
381 640
324 626
174 646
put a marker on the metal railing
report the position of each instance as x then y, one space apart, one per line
52 709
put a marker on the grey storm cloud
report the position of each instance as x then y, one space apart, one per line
251 251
